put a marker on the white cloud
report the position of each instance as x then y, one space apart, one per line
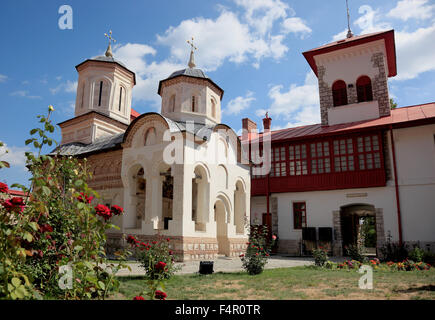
407 9
295 99
236 105
3 78
414 51
68 86
15 156
295 25
24 94
148 74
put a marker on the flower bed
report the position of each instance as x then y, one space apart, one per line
406 265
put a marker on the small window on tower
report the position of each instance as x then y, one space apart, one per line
172 103
120 99
193 104
213 108
339 93
101 91
364 89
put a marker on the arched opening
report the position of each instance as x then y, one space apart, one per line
358 226
121 99
339 93
364 89
220 216
172 103
101 93
200 198
138 194
167 197
193 106
150 137
239 207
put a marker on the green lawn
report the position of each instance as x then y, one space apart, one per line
291 283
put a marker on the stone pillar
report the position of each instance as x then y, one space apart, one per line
352 96
274 212
325 94
337 248
380 233
380 85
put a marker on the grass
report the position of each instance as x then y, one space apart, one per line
290 283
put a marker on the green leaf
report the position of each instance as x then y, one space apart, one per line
33 131
28 236
28 141
46 190
78 248
102 285
16 282
78 183
36 144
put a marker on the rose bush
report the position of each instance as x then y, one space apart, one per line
54 226
258 250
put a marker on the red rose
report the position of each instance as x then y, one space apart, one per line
138 298
85 198
131 239
160 295
15 204
116 210
3 188
160 266
46 228
102 211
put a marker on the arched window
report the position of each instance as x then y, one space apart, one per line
172 103
100 93
213 108
150 137
193 104
339 93
120 99
364 89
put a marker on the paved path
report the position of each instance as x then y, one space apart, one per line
224 264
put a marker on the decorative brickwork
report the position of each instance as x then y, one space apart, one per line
325 93
380 85
106 170
128 138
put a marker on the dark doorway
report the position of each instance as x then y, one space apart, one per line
358 223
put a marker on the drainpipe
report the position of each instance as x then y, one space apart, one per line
399 219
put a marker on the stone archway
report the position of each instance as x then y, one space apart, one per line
345 223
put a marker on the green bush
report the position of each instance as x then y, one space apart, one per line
355 252
320 257
416 254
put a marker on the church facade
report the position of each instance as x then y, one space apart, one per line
179 173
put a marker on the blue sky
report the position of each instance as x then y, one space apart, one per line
251 48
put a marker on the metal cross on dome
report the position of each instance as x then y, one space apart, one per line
109 36
192 45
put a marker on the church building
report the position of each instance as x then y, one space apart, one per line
364 166
179 173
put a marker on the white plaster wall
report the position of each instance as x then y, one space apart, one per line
350 63
353 112
415 158
321 204
89 79
183 97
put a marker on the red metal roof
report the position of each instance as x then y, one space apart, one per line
400 117
388 37
17 193
134 114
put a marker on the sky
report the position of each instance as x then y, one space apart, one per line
251 48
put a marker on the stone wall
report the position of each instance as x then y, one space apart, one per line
380 85
325 94
290 247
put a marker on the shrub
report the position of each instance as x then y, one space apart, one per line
394 251
416 254
258 250
158 260
355 252
320 256
55 225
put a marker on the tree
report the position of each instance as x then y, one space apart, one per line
393 104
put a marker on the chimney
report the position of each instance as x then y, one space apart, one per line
266 122
249 127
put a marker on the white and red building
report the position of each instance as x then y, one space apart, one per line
362 160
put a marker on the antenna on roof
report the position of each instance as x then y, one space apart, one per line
349 32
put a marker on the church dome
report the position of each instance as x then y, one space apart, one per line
190 72
108 59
